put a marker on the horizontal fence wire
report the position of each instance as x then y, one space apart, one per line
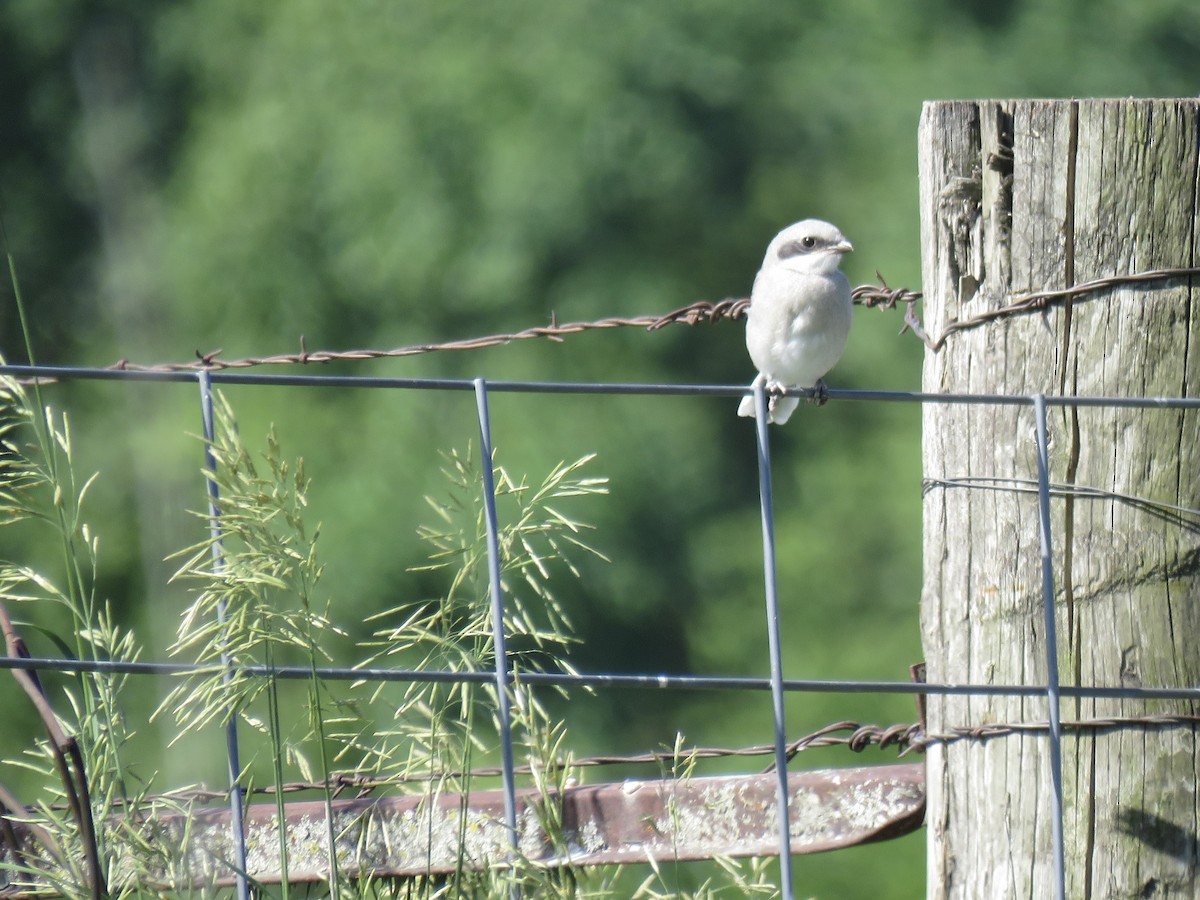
53 373
605 680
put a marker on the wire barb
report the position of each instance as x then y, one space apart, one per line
880 296
906 738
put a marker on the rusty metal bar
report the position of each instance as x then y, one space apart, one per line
616 823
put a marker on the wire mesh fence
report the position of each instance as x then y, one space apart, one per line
239 868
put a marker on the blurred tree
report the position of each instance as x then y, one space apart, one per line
223 174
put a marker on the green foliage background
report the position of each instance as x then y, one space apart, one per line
221 174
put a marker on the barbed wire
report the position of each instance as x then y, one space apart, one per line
694 314
854 736
1101 723
1039 300
880 296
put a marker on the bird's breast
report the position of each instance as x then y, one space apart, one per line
798 325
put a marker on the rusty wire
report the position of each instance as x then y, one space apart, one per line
1040 300
701 311
859 739
555 332
880 296
906 738
1095 725
854 736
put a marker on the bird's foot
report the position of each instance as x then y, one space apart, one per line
820 393
775 393
782 403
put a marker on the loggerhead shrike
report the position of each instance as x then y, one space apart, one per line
799 315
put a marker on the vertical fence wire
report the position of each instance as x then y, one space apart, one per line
232 756
1052 687
503 677
773 642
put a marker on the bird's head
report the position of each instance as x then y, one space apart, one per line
811 247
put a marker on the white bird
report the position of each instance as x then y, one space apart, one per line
799 315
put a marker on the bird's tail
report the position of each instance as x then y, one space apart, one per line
746 407
782 409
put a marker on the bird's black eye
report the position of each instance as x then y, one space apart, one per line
796 248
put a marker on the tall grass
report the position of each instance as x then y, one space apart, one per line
267 582
93 799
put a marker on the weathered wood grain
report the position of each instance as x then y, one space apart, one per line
1090 188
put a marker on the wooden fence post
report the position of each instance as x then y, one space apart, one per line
1023 196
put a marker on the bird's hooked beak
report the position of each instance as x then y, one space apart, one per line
844 247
